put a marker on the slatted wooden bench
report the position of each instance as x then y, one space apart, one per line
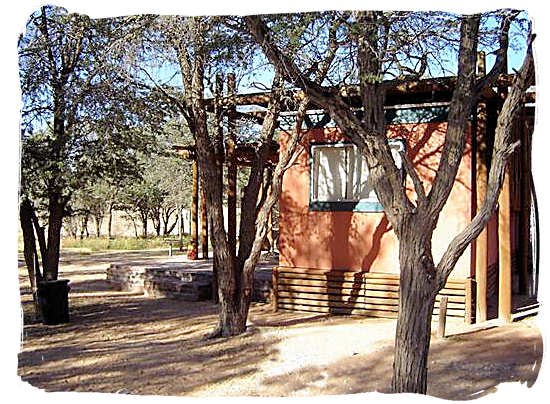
363 293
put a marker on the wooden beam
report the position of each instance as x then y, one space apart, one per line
244 154
218 115
504 233
417 91
231 163
481 243
192 249
525 218
504 253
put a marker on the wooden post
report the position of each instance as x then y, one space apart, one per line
504 239
218 113
230 146
192 250
275 288
481 190
481 243
525 172
504 253
470 289
204 222
442 317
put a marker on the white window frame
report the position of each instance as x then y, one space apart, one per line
353 181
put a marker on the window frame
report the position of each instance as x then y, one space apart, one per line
346 205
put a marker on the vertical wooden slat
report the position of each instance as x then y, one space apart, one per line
504 253
192 249
275 287
231 163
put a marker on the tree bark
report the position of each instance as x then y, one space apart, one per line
110 222
413 225
55 210
417 291
98 220
29 248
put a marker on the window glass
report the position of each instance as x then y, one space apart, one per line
340 174
331 173
364 189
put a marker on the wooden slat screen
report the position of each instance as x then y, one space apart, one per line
362 293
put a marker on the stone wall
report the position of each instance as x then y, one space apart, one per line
178 282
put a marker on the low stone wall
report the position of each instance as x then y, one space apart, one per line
178 282
185 285
126 277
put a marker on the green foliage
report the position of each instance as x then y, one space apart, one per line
84 126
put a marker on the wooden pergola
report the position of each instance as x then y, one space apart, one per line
244 155
426 92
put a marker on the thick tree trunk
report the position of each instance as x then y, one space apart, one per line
234 304
417 291
55 221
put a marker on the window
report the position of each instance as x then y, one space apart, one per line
340 177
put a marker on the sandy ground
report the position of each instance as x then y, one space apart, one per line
121 342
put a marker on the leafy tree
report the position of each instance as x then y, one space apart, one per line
382 48
79 116
201 48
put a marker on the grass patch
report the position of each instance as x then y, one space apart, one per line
118 243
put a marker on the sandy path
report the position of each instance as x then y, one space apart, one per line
127 343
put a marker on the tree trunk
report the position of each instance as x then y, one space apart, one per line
84 226
54 239
29 248
235 294
155 217
110 222
144 216
98 219
135 227
417 291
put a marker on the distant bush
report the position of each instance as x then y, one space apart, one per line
119 243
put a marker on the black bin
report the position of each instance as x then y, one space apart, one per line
53 299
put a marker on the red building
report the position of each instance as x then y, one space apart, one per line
338 252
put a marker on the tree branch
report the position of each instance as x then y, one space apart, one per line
501 56
461 106
503 149
418 187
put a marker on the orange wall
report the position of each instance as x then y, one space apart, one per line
364 240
